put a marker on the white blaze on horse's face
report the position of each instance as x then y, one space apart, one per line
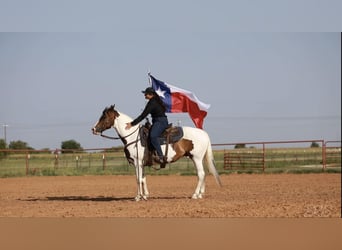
95 132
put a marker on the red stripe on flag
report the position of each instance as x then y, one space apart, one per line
181 103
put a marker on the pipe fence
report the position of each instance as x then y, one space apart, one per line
277 155
273 156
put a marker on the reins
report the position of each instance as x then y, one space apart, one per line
120 137
110 137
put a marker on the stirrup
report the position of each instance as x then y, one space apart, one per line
163 162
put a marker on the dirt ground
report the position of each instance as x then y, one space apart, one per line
269 195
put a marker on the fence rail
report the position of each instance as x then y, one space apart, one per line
255 156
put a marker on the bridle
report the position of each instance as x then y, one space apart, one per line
120 137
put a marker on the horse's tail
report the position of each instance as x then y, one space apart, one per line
211 164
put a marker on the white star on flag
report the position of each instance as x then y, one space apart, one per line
160 93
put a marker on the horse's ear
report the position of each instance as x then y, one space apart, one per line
112 106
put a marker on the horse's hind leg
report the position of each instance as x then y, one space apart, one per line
199 191
202 189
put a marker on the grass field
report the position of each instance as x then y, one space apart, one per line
247 160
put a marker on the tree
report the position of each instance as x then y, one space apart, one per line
19 145
240 145
70 146
314 145
2 146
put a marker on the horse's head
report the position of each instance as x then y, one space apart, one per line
106 120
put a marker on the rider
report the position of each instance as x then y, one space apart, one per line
156 108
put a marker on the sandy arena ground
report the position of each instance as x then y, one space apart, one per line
270 195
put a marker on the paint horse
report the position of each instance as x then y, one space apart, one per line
194 144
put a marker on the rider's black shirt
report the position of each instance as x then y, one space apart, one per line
153 108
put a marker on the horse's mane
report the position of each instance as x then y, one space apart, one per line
124 117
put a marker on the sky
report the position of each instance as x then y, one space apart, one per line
267 77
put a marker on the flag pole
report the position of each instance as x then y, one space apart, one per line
149 78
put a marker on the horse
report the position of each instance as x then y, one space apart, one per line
194 144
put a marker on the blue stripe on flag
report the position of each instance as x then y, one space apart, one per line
163 91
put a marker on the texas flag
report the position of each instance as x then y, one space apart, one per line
178 100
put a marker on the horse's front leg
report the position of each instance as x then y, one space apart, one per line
142 191
145 189
139 183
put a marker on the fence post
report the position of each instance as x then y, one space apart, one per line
103 161
263 157
27 163
324 151
56 159
77 161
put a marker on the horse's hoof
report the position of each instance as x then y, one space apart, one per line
137 198
145 197
196 196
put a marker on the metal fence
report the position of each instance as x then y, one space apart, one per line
332 153
253 156
68 162
274 155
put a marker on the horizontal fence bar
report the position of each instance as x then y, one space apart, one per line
268 142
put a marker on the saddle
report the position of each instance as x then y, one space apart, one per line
171 134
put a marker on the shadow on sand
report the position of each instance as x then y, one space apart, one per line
97 199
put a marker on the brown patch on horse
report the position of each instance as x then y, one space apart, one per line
111 114
128 157
106 120
116 113
182 148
